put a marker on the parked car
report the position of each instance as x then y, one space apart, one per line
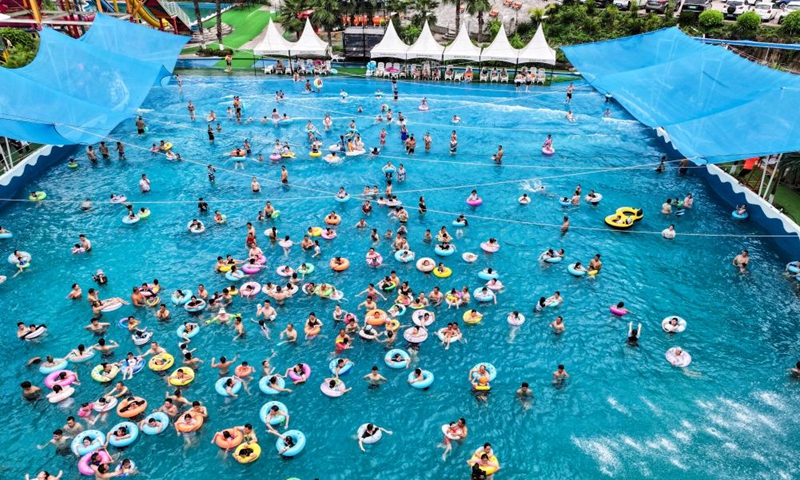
698 6
657 6
790 7
602 3
626 4
733 9
765 10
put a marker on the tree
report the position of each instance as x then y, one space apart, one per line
219 24
748 24
711 19
20 47
478 8
326 15
457 4
288 15
199 17
791 24
424 10
410 34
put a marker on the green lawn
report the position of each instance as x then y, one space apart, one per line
247 23
789 200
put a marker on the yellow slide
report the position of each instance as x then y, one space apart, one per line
139 10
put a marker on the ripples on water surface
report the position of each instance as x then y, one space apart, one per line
624 413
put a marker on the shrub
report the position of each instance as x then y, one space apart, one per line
214 52
711 19
791 24
688 19
748 22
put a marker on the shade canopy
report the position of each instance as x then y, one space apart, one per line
274 43
538 51
309 44
426 46
77 91
500 50
390 46
696 93
462 47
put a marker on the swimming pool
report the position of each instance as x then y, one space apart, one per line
623 413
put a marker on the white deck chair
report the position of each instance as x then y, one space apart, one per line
495 77
402 70
541 76
484 74
448 74
503 76
458 76
380 70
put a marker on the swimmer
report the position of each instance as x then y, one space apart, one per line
525 394
374 378
554 300
594 264
666 207
569 116
32 392
558 325
669 232
634 334
560 375
223 365
75 293
498 157
369 432
457 431
289 333
740 261
621 307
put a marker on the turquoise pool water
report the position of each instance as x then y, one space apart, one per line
624 413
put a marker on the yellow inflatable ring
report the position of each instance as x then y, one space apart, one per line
186 381
161 362
467 317
446 272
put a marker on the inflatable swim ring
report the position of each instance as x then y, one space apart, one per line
681 326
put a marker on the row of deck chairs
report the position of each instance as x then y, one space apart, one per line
426 71
303 67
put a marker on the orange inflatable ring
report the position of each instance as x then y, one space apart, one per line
336 220
376 318
340 267
133 411
233 442
241 371
198 419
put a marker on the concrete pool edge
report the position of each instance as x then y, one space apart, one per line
31 168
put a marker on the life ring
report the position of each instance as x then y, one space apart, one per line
389 359
376 318
88 355
166 147
418 317
548 150
423 384
59 365
275 156
306 372
221 389
119 199
487 469
494 285
250 289
284 271
474 203
564 202
51 380
98 439
482 296
404 256
684 360
515 321
160 417
231 442
160 362
125 412
374 438
524 200
490 248
446 432
342 371
616 311
419 337
103 407
251 457
574 271
180 300
667 327
545 258
315 231
263 384
341 266
37 196
6 235
469 257
487 274
336 220
188 377
421 265
739 216
317 83
197 308
470 319
793 267
98 376
443 273
444 253
424 108
299 442
26 260
133 434
130 220
198 422
595 200
315 154
339 199
200 229
274 421
375 262
83 463
490 370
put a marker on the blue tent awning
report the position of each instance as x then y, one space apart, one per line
714 105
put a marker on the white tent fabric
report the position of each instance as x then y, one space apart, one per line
390 45
274 43
462 47
500 49
309 44
426 46
538 51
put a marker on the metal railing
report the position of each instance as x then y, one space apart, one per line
176 11
10 157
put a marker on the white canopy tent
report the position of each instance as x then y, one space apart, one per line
426 46
462 47
274 43
500 49
309 44
390 45
538 51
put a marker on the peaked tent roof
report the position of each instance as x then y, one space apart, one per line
538 51
426 46
695 92
462 47
390 45
500 50
309 43
274 43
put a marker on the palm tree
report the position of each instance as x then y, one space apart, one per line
199 18
326 15
219 24
424 10
478 8
457 3
287 15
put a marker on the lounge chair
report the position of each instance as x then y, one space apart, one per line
458 76
468 74
380 70
484 77
541 76
503 76
495 76
448 74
